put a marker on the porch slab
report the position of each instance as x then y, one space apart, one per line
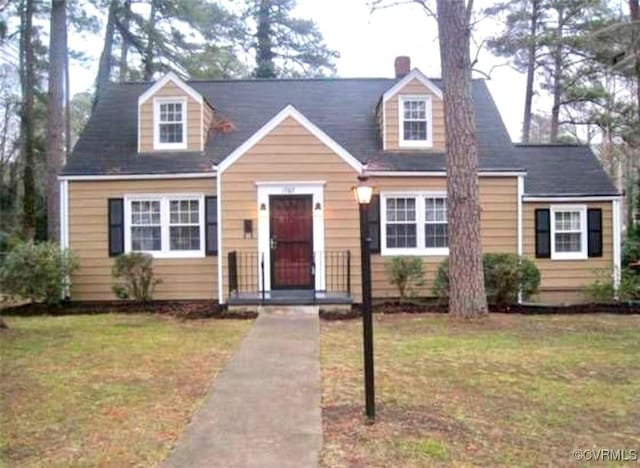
290 297
263 409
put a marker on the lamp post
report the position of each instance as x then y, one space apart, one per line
363 193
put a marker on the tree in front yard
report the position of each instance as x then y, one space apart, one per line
466 293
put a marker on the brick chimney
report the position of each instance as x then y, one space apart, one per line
402 65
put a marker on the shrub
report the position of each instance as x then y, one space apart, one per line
631 249
134 277
37 271
505 275
406 274
602 289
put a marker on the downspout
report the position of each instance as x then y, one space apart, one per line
616 221
519 224
64 227
220 250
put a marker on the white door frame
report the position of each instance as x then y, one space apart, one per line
313 188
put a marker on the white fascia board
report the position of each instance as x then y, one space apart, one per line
439 173
175 79
181 175
290 111
413 74
577 198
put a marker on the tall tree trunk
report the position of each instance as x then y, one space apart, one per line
557 77
466 279
55 115
124 46
634 12
531 70
67 100
28 83
106 57
149 68
265 68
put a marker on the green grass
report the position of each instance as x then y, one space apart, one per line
100 390
509 390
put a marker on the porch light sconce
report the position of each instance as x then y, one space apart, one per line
318 206
363 191
263 207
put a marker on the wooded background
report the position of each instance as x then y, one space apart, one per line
583 54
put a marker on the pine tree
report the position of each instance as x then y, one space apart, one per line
55 146
467 298
286 46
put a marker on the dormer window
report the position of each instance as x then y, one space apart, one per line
415 121
170 128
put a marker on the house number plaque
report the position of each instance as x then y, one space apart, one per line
288 189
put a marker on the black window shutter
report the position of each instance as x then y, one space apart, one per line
211 225
374 223
116 226
594 231
543 233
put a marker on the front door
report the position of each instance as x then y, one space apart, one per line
291 237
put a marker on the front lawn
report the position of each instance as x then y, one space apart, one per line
510 390
97 390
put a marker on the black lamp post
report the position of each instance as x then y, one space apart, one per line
363 193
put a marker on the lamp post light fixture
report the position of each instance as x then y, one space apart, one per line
363 193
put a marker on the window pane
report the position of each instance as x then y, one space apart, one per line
145 238
401 236
435 235
568 242
171 133
415 130
184 237
184 212
145 212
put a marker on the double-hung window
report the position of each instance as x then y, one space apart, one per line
170 130
165 225
568 232
414 224
415 121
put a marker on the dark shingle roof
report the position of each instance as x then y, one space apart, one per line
562 170
345 109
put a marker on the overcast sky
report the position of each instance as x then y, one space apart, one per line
368 44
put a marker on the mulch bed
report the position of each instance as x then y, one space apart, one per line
179 309
398 307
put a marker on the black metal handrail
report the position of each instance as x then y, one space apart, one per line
247 272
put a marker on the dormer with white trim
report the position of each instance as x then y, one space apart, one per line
411 113
172 116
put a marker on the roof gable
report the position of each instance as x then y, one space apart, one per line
169 77
414 74
290 111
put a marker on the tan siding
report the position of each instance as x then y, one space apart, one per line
188 278
290 153
498 199
392 127
194 119
563 280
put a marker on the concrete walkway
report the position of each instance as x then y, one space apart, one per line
263 409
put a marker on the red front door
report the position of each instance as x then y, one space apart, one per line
291 222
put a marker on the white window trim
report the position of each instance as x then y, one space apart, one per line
156 122
420 222
164 224
582 255
428 143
